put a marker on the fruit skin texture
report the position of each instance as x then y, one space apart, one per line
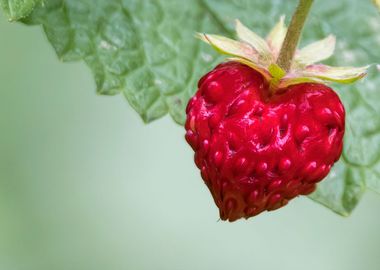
257 151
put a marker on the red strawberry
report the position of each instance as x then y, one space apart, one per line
263 136
256 151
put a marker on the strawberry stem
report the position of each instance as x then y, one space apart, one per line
293 34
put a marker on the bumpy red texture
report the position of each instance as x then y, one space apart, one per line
257 151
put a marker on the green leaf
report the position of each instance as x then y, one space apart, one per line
144 49
147 50
17 9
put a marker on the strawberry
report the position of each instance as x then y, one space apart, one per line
262 136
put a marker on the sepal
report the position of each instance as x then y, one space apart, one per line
315 52
276 37
261 55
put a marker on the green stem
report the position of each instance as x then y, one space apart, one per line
293 35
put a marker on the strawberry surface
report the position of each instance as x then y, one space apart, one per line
257 150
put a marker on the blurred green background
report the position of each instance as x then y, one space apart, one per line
84 184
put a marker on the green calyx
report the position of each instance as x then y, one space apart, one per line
261 54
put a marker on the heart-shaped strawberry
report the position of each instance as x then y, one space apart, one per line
256 151
262 135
